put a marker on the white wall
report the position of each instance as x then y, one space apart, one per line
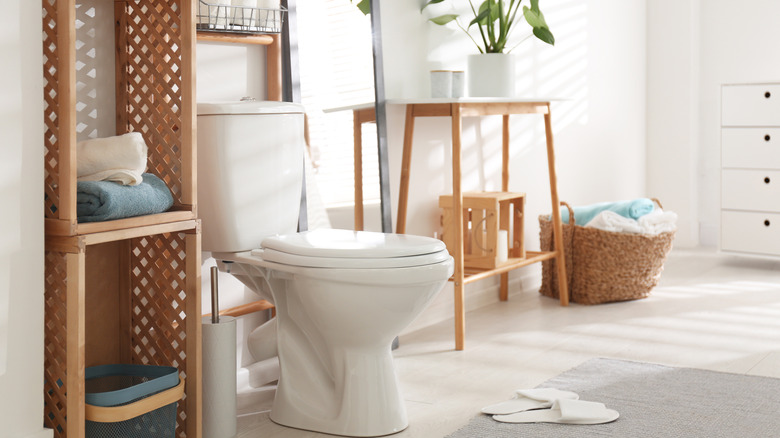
227 71
673 112
21 188
738 44
715 42
598 65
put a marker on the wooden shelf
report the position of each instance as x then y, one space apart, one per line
55 227
73 244
471 275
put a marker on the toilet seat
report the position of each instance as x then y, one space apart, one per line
347 249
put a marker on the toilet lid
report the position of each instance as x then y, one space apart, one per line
352 249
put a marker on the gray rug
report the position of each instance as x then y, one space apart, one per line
655 401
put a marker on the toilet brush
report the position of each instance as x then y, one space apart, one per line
219 370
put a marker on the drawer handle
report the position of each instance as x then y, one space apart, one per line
767 137
767 95
766 222
767 180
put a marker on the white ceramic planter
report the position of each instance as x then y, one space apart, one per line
491 75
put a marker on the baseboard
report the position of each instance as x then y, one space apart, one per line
478 295
45 433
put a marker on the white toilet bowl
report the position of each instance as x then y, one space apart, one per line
341 297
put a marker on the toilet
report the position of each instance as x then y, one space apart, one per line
341 296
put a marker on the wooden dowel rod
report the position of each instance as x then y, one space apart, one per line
227 37
245 309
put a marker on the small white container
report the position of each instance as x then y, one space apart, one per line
458 83
268 18
441 83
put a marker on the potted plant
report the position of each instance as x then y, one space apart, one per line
491 72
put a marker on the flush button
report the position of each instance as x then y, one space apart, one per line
766 222
767 95
766 179
767 137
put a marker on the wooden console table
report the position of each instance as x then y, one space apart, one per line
456 109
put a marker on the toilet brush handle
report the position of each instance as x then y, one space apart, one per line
214 296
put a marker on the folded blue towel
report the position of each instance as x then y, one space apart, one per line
633 209
107 200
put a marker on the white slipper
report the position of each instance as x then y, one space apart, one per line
566 412
527 399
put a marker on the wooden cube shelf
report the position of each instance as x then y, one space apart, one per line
484 214
155 82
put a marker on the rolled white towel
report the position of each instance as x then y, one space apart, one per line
121 158
611 221
269 16
214 13
244 12
658 221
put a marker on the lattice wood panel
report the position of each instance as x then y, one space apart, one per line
149 100
158 302
55 333
51 108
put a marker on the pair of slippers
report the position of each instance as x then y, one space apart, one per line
548 405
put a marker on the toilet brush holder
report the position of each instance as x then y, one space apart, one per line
219 370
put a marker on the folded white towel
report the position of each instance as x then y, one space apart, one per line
611 221
658 221
122 158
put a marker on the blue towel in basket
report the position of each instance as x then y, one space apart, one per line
107 200
634 209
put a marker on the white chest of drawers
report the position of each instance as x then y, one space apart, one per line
750 168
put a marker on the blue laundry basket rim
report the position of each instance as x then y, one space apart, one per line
161 378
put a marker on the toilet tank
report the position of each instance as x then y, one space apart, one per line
250 172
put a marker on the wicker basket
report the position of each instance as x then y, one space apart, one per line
604 266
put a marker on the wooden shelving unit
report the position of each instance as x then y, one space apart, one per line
124 291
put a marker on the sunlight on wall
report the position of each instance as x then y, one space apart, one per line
336 69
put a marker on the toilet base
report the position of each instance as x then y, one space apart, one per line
361 399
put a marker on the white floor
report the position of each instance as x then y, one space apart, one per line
710 311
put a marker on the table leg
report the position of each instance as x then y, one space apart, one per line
357 128
457 207
505 155
503 294
403 189
560 257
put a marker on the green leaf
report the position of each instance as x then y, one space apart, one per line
481 18
431 2
444 19
534 18
545 35
364 6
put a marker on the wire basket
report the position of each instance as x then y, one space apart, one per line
221 16
132 401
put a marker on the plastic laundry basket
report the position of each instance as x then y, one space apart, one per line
132 401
